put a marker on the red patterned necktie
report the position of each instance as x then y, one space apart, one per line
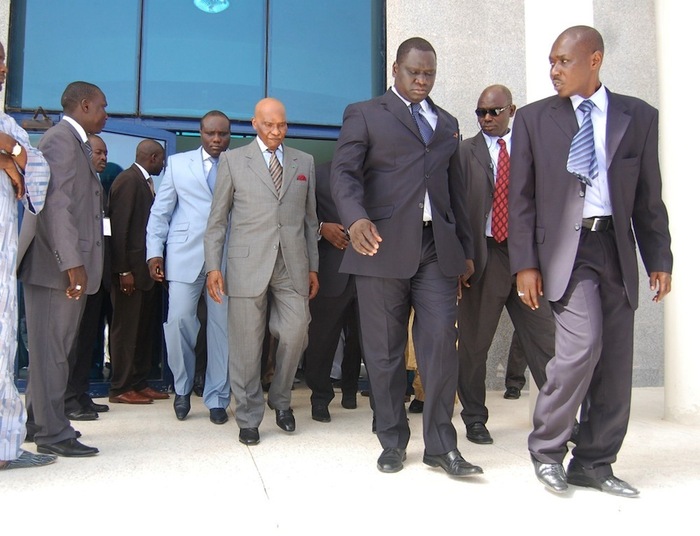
499 219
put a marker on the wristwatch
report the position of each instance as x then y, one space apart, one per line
16 150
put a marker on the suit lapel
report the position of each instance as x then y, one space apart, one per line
398 108
256 162
562 113
482 155
197 169
289 170
617 122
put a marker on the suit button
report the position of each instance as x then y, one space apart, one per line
577 227
420 205
274 247
98 243
427 149
97 192
279 225
427 176
581 193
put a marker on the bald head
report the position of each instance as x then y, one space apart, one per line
151 156
270 122
497 90
495 110
575 60
585 37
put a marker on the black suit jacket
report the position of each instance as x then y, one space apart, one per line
381 169
130 201
332 281
546 201
477 169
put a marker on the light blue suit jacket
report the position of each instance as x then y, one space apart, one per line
179 216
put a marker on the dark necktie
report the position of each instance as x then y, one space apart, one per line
426 131
149 181
275 170
89 148
582 161
499 216
211 176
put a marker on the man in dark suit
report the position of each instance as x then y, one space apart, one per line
135 294
334 310
399 192
79 405
585 182
60 260
486 167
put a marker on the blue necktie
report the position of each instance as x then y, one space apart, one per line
211 177
426 131
582 161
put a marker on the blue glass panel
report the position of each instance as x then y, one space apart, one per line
194 61
57 42
324 55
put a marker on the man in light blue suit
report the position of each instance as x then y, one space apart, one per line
175 232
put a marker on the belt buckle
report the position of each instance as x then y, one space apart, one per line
599 224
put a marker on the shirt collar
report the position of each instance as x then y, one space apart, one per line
599 98
423 104
77 127
264 147
146 174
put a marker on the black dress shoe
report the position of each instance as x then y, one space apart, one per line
479 434
285 419
452 463
70 448
218 415
82 414
576 476
416 406
249 436
551 475
391 460
349 401
182 406
320 414
97 408
198 387
512 393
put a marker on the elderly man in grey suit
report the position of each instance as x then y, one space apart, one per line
265 194
400 194
61 259
585 183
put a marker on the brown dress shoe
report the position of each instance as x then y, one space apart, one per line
152 393
130 397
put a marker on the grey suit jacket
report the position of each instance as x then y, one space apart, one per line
477 169
67 233
546 201
381 169
261 222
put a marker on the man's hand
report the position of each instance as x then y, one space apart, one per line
126 283
313 284
7 164
215 285
464 278
661 283
156 269
364 237
335 234
78 282
529 285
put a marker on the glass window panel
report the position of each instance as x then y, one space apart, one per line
324 55
57 42
194 61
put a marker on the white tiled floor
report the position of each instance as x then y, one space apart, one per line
155 473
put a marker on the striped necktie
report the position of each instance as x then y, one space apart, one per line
275 170
582 161
426 131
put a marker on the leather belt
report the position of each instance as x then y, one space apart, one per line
598 224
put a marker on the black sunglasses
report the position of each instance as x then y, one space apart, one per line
493 112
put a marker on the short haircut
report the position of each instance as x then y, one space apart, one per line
213 113
588 36
414 43
75 92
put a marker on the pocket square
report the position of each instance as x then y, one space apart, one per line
301 177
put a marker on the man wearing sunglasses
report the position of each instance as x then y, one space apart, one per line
485 161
